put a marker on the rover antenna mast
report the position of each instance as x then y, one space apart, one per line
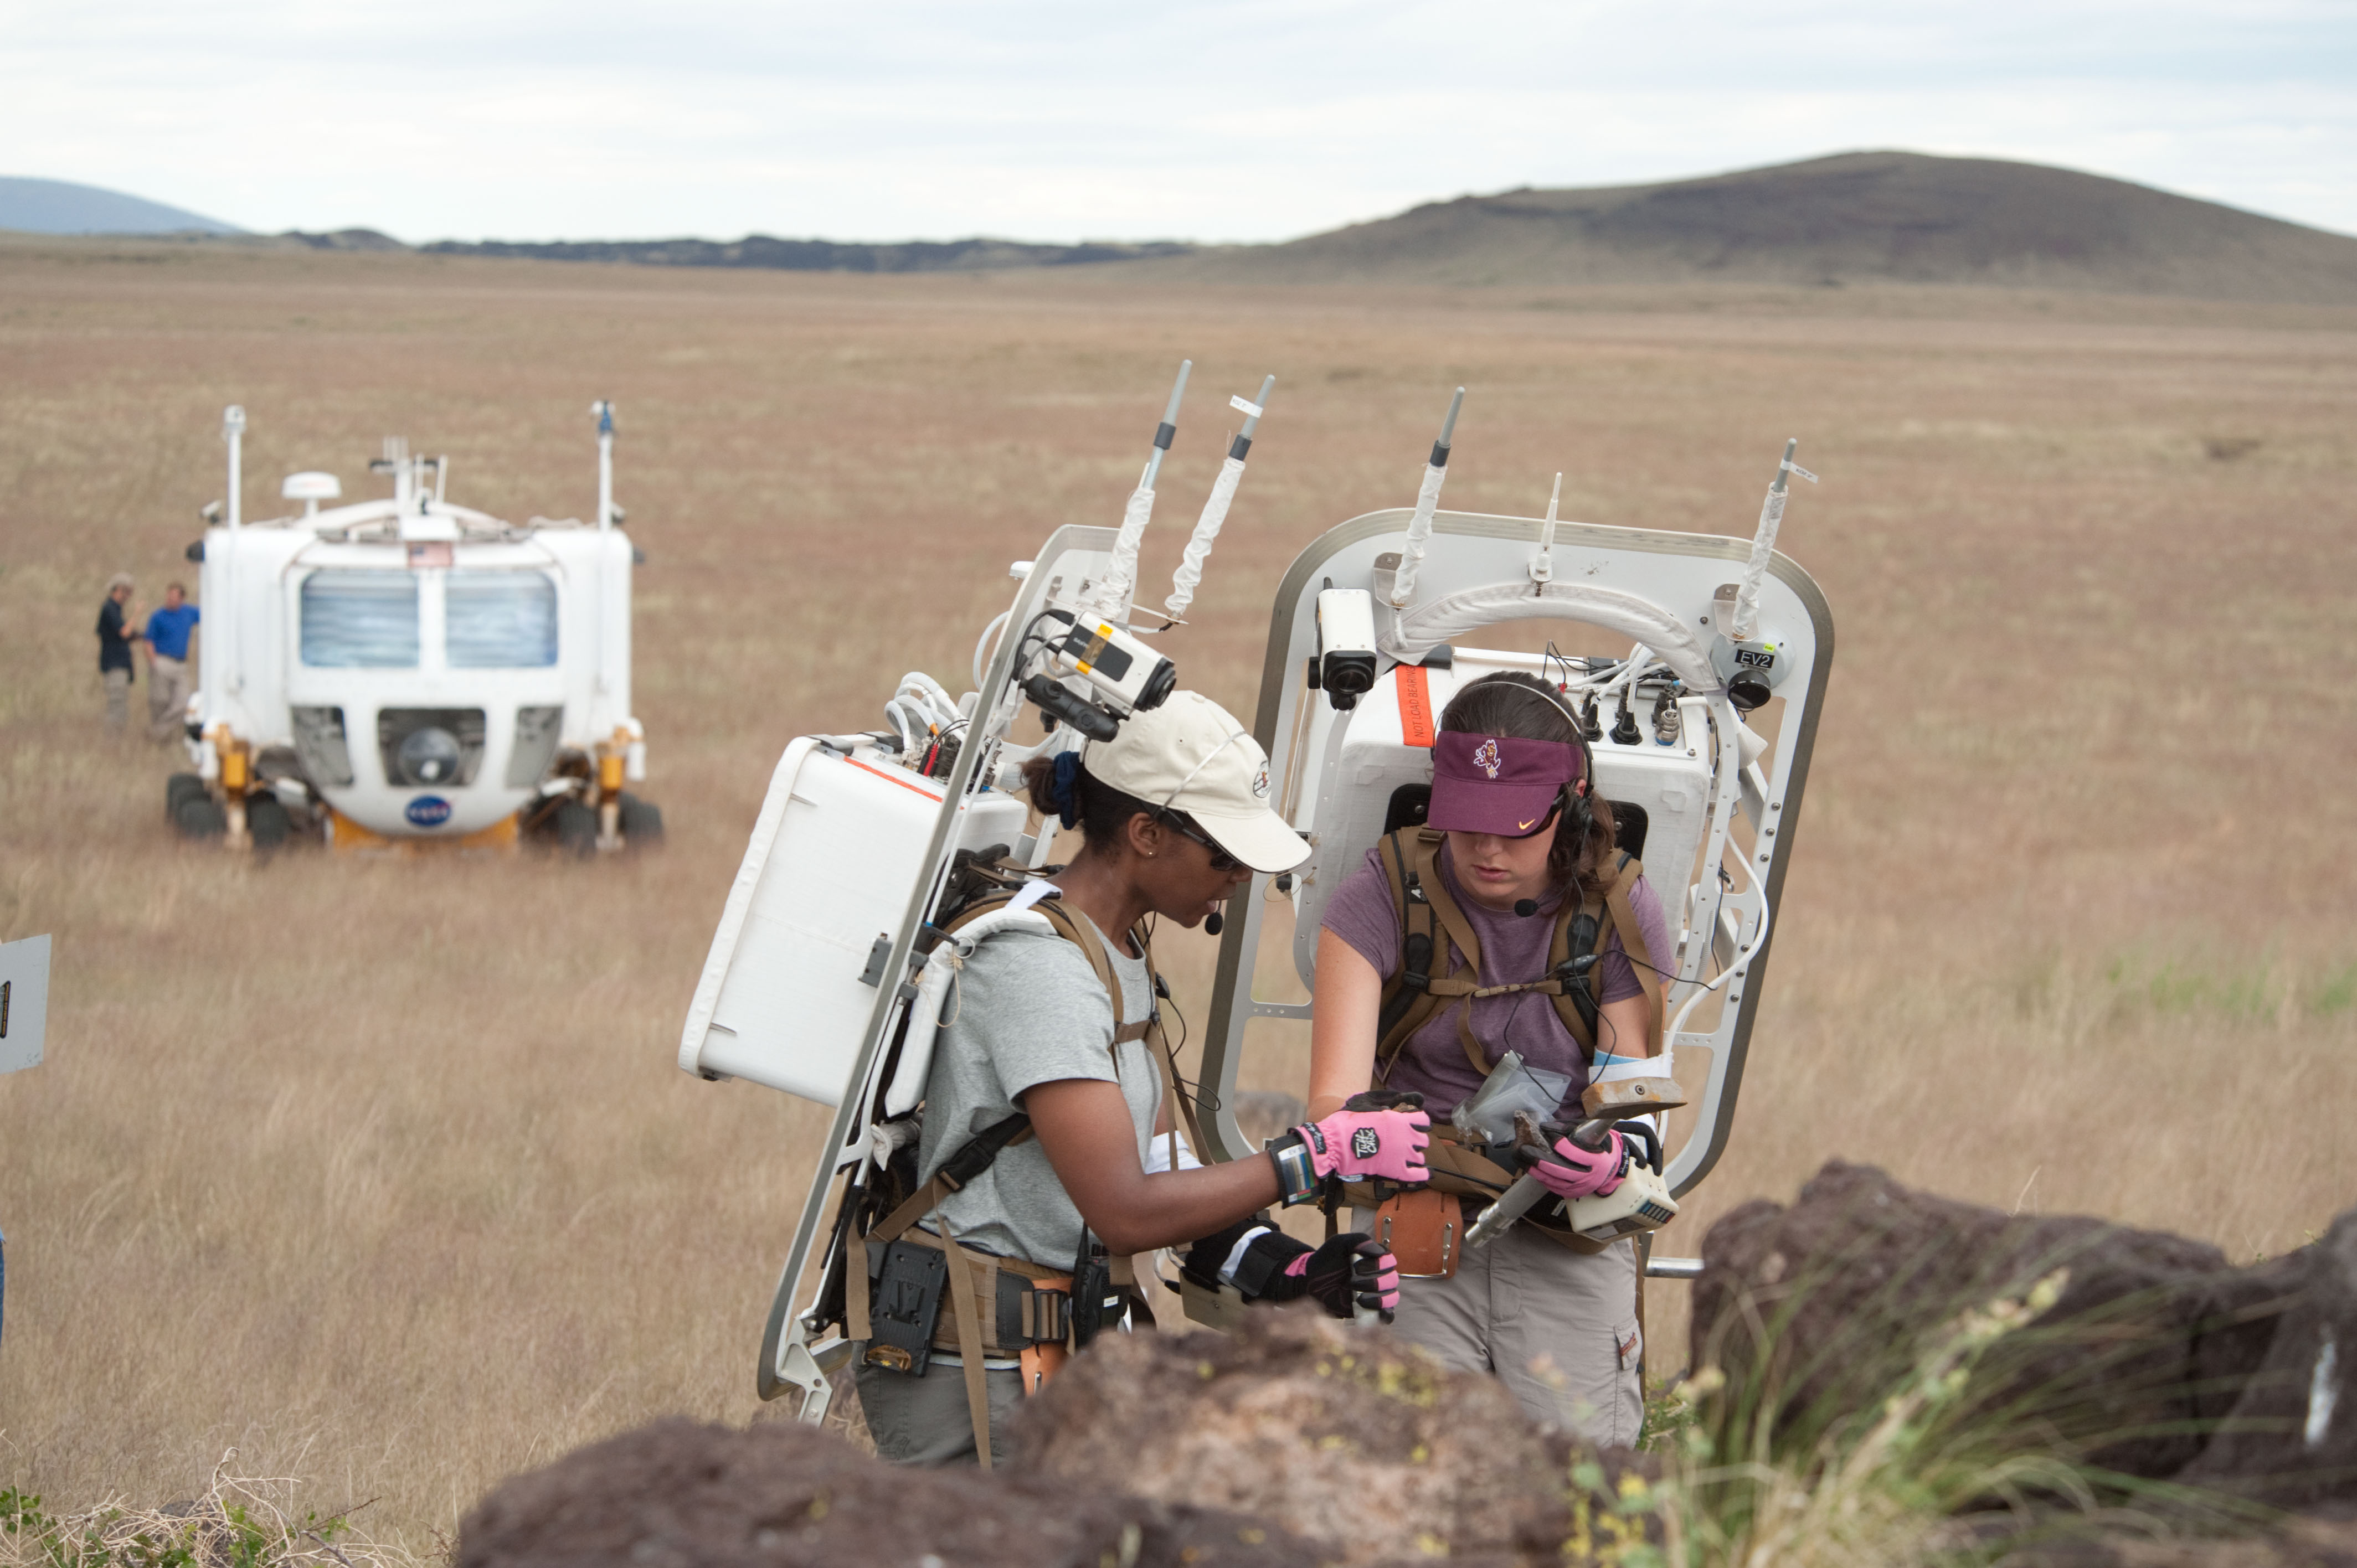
605 413
1763 544
1427 500
1121 577
1215 509
234 432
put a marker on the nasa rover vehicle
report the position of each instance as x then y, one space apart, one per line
828 976
406 671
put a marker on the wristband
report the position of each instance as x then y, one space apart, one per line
1296 1171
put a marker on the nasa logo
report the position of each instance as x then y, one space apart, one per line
428 811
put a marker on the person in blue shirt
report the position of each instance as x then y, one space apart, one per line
167 664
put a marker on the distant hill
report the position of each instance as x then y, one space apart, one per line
820 255
1853 218
61 207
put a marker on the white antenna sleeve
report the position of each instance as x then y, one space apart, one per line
1419 533
1763 547
1199 545
1113 589
1755 571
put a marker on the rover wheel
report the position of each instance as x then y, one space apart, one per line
267 822
576 829
179 788
642 822
200 817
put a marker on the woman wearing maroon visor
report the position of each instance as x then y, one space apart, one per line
1516 850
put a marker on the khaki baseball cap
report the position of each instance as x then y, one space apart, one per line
1190 754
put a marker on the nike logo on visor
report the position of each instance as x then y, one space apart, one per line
1527 826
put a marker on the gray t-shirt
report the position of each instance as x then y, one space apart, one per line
1028 1009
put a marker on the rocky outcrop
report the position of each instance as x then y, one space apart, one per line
1343 1433
1304 1441
2291 1439
681 1495
2156 1350
1299 1441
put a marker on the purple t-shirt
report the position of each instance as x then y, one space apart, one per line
1514 949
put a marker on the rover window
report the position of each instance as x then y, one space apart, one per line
359 620
501 620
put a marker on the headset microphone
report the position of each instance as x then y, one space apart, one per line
1526 908
1214 923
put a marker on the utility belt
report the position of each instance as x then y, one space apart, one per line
1424 1227
1029 1304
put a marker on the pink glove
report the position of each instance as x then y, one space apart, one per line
1583 1174
1357 1141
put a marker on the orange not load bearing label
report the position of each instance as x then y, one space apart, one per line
1415 706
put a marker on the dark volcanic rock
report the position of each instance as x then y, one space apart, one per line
679 1495
2151 1344
1340 1432
2291 1438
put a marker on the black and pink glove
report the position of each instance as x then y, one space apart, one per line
1347 1274
1380 1134
1352 1271
1571 1172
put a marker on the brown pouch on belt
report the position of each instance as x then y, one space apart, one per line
1424 1231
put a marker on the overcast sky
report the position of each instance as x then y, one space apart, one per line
1190 119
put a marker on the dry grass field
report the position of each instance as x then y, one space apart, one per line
380 1173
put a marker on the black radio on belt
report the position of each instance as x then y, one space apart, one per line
1097 1302
904 1304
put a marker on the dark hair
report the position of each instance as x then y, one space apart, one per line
1522 707
1101 811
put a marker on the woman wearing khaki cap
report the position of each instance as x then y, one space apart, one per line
1048 1106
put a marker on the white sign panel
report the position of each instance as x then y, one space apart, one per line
24 1001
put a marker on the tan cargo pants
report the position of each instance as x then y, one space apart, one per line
1558 1327
167 698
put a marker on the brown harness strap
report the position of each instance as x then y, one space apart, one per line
1420 894
969 1322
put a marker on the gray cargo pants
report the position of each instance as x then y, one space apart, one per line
1558 1327
925 1421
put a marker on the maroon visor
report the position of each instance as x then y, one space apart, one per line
1497 783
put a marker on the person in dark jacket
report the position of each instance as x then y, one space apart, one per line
116 632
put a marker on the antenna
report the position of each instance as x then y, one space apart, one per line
1121 574
1542 563
1763 547
234 432
605 413
1215 508
1427 500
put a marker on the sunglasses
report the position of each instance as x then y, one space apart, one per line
1221 859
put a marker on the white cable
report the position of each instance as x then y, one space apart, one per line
928 694
1199 545
1735 966
911 721
983 642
